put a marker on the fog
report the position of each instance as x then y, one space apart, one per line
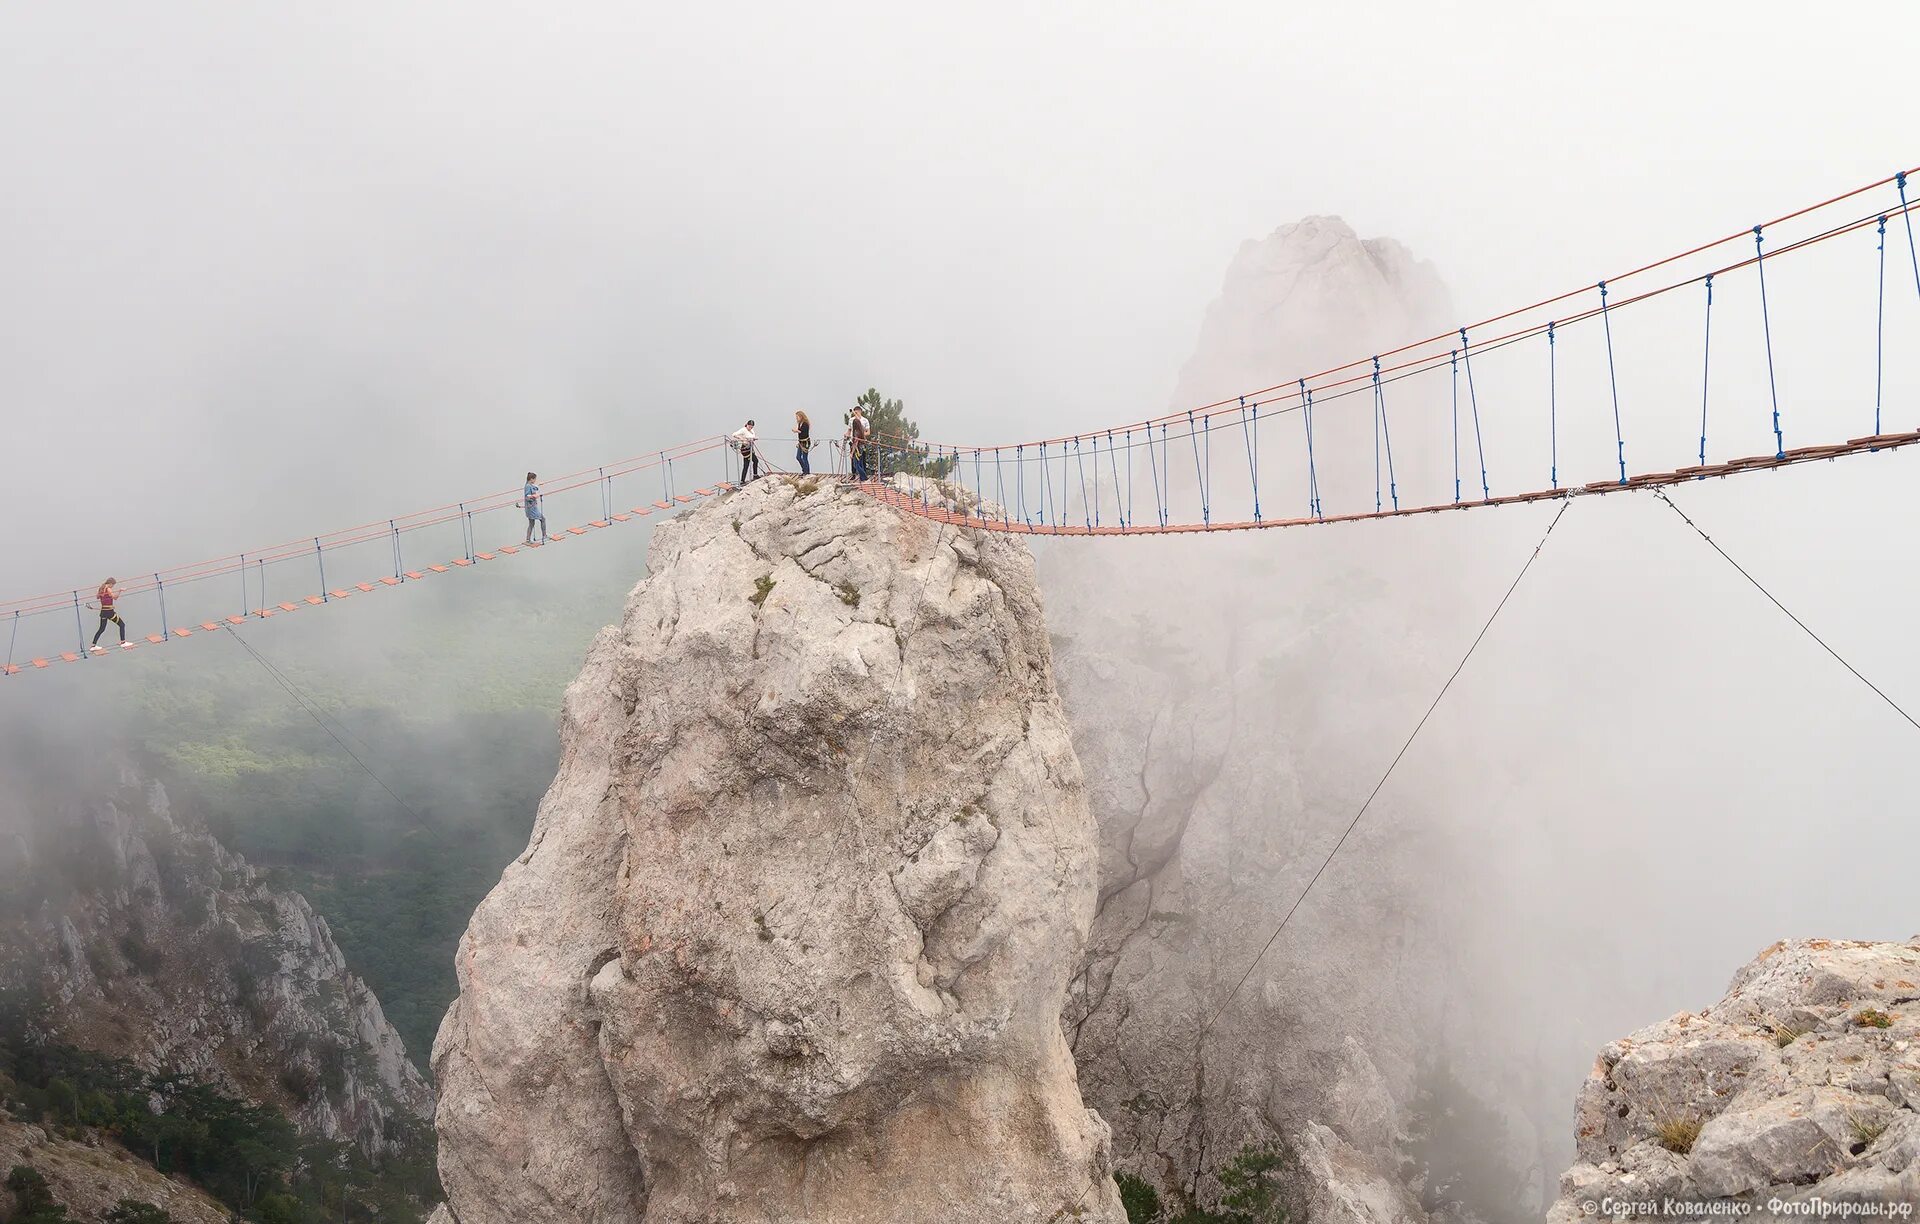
269 271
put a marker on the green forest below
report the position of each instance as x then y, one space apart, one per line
460 725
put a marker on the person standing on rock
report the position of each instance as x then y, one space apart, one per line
748 444
857 433
530 501
803 436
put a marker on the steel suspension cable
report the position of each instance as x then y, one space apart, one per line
1804 627
1397 758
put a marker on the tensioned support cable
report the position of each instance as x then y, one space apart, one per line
1553 418
1706 371
1386 431
1880 327
1398 757
1473 400
1766 326
1804 627
1613 381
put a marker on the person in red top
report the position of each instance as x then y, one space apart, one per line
104 598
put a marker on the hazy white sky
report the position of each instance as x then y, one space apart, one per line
271 269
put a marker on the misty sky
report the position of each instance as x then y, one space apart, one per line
275 269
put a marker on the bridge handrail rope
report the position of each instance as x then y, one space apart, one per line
1420 362
367 532
1461 349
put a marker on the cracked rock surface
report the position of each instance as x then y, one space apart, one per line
793 933
1801 1087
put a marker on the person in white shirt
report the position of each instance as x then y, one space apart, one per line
748 444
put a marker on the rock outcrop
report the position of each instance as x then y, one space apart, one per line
148 940
1801 1086
91 1175
1231 701
793 932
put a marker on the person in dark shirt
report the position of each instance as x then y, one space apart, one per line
104 600
803 432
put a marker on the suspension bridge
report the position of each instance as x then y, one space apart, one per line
1530 399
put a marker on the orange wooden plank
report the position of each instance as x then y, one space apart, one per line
40 663
287 607
389 582
315 600
69 656
156 638
11 669
661 505
461 561
236 620
264 613
598 523
438 569
183 633
682 498
704 492
576 531
643 511
483 556
416 575
621 518
508 549
365 588
209 626
339 594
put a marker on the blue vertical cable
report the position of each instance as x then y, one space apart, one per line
1386 430
166 634
1193 439
1166 461
1553 410
79 625
1613 381
1020 483
1252 439
243 584
393 536
13 641
1096 480
1473 401
1113 461
1313 474
1453 362
1880 327
320 560
1766 324
1901 180
1376 435
1706 371
1080 463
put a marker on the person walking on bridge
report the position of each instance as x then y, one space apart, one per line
748 444
530 501
104 600
803 442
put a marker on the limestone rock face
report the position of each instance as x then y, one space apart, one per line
148 940
792 936
1803 1083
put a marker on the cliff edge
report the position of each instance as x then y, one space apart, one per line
791 938
1798 1091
